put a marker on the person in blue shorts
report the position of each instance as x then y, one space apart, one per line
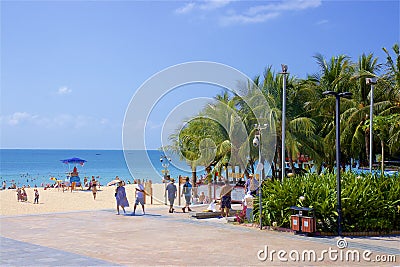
171 190
187 192
226 199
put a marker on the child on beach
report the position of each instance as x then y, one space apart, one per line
139 196
36 201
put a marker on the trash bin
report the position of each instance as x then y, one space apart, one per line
303 221
308 224
295 222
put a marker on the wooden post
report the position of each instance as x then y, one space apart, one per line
148 190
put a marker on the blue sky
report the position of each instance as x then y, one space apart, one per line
70 68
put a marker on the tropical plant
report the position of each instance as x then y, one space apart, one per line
369 202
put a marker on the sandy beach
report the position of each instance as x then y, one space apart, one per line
55 200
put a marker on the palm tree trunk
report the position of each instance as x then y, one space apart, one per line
278 154
208 170
209 191
233 173
383 156
367 147
194 175
273 170
291 162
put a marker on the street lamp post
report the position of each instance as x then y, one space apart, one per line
260 165
372 82
165 163
338 182
283 165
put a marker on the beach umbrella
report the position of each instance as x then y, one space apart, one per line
53 178
73 161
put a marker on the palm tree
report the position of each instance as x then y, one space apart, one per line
195 143
392 90
354 132
234 148
333 76
299 128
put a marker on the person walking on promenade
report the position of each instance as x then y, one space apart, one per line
226 199
94 187
139 196
171 190
36 200
251 185
120 196
187 192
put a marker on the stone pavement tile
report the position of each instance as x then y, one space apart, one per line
17 253
160 238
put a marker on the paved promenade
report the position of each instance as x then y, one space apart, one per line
101 238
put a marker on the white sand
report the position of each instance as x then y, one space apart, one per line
55 200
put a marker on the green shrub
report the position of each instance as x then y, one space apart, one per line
369 202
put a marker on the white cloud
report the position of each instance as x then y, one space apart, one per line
324 21
288 5
60 121
20 117
64 90
186 8
204 5
244 19
214 4
262 13
253 14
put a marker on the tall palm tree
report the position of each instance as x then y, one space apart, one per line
354 132
392 90
299 127
234 148
195 142
334 75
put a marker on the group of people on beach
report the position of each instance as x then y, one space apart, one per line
22 196
171 192
122 200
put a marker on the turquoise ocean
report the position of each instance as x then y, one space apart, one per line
36 166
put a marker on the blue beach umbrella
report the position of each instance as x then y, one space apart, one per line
73 161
